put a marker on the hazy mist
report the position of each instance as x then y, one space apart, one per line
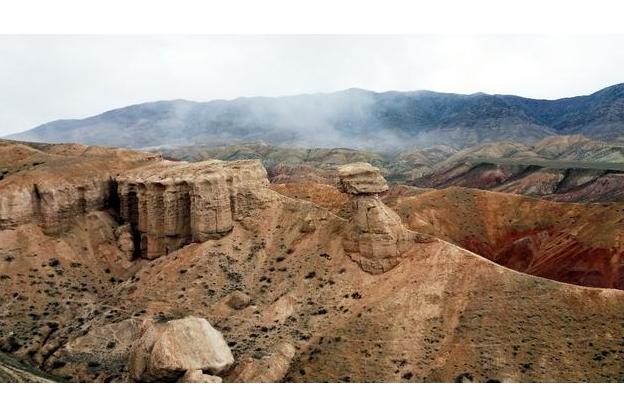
43 78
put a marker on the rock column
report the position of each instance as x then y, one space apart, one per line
375 236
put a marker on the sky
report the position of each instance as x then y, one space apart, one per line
49 77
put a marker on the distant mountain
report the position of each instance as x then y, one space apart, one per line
428 167
352 118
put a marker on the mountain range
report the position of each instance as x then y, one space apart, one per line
351 118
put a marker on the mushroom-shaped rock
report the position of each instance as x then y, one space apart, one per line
166 351
375 237
361 178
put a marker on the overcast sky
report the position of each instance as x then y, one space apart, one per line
43 78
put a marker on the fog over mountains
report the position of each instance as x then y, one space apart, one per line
352 118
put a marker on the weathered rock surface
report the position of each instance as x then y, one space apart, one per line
441 314
52 188
238 300
559 241
167 204
376 237
361 178
271 368
166 351
197 376
173 204
123 234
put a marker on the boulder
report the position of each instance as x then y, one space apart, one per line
238 300
271 368
198 376
166 351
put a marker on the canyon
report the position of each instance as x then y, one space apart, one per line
108 254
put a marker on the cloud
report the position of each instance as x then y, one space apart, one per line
43 78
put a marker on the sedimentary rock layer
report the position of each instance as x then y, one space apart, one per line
172 204
361 178
51 188
376 238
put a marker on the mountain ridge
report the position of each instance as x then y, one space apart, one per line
354 117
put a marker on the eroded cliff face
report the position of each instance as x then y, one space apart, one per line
375 238
161 205
52 188
173 204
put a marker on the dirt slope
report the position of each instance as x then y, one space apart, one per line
573 243
441 314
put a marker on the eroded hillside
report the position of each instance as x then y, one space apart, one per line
573 243
299 292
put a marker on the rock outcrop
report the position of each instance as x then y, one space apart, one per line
376 237
198 376
168 351
166 204
51 188
125 242
361 178
271 368
174 204
238 300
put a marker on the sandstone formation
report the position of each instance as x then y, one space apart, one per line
125 242
75 306
53 188
198 376
361 178
171 205
165 204
167 351
376 237
268 369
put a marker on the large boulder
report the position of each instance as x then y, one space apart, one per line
271 368
166 351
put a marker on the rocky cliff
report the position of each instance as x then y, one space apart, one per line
283 290
163 204
51 187
172 204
